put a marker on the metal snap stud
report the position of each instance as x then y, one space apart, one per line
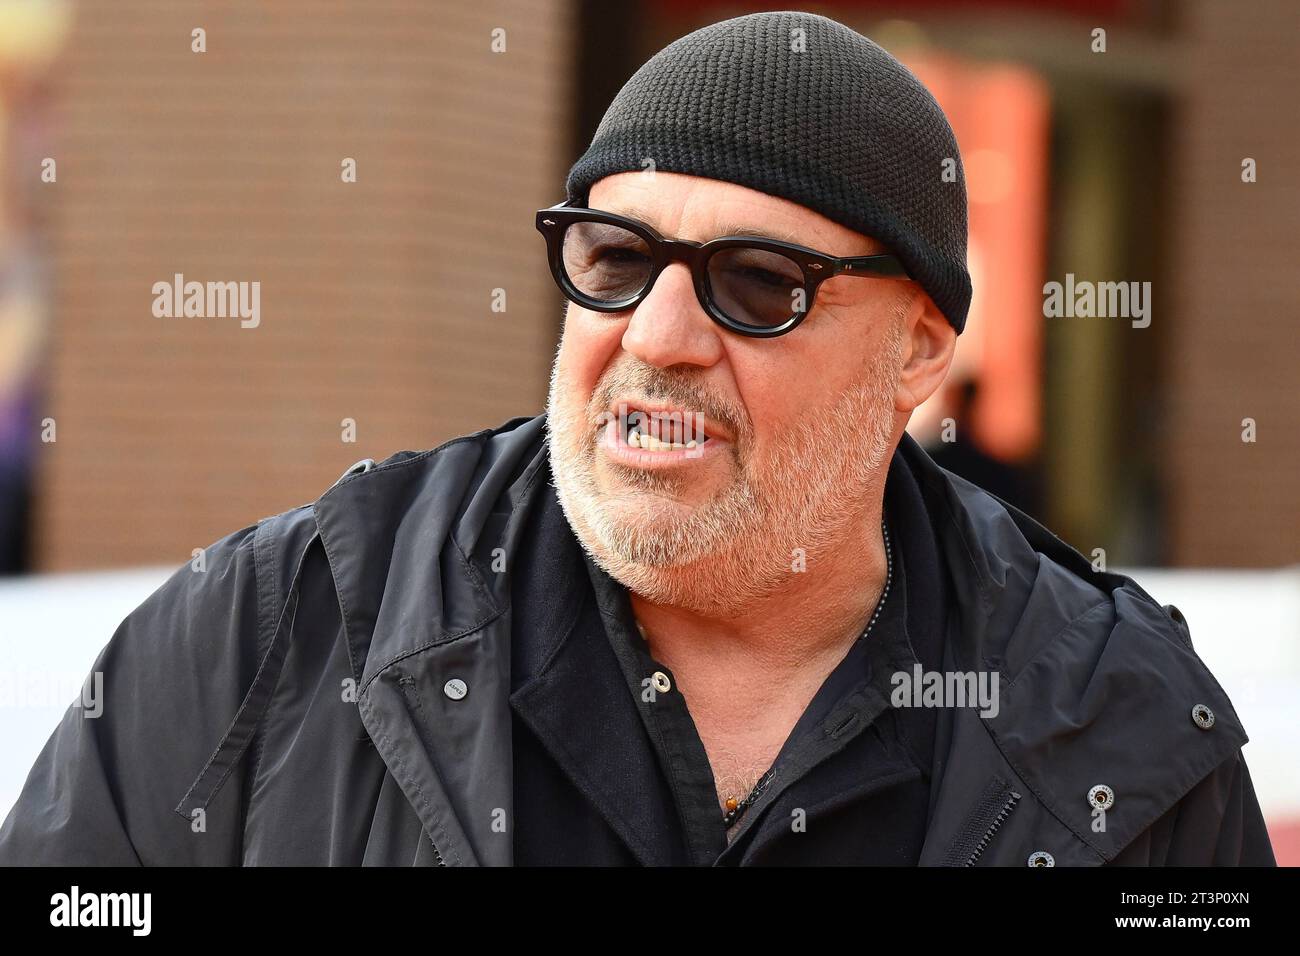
360 468
1203 716
661 681
455 688
1041 858
1101 797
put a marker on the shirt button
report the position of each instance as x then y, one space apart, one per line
455 688
1203 716
662 684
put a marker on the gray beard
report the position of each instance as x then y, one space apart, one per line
739 547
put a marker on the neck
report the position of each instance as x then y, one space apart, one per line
814 619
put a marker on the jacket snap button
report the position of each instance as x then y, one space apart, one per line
661 681
360 468
1041 858
1101 797
1203 716
455 688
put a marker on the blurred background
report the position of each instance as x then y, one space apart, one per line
1112 140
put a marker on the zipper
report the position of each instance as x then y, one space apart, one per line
437 855
982 823
1007 806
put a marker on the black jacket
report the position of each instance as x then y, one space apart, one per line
289 704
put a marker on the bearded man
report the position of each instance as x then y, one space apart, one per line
714 607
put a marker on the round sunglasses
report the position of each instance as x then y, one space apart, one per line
753 286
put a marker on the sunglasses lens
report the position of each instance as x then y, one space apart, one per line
756 287
605 263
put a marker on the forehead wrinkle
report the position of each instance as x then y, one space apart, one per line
766 232
734 229
810 239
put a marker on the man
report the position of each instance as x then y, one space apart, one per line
714 607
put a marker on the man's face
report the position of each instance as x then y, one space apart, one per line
799 426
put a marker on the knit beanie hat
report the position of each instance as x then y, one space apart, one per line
799 106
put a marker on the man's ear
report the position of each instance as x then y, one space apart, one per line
928 345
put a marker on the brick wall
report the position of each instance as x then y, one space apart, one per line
1235 291
376 296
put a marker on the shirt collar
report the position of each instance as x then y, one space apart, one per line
568 686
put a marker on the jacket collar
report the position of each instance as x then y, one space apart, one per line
411 533
1098 681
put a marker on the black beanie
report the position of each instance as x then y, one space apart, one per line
799 106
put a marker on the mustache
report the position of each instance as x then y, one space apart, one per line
656 385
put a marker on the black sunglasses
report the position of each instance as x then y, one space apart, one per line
753 286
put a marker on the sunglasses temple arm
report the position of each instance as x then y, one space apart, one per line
885 265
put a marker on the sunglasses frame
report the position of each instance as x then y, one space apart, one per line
817 267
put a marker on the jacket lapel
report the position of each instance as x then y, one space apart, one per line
428 638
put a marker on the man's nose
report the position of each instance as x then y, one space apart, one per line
670 326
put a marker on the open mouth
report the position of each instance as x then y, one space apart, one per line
653 436
661 429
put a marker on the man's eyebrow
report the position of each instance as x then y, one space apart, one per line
762 232
735 229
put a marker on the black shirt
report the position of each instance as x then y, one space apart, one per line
605 776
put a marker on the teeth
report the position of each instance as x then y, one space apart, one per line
648 442
651 443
